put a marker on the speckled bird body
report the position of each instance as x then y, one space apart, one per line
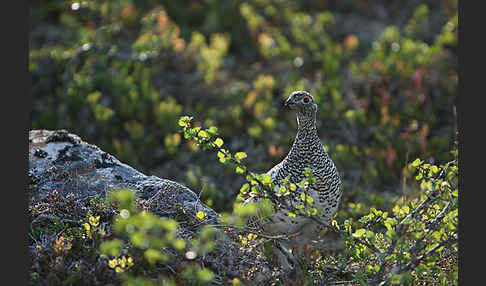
306 152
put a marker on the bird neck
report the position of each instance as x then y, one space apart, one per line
306 124
306 131
303 149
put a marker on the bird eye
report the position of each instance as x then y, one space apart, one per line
306 100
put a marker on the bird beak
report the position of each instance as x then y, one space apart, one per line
288 102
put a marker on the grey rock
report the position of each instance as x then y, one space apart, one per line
61 161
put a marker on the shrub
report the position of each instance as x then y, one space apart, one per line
415 243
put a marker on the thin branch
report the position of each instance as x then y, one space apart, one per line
257 231
417 260
400 230
433 224
53 217
365 243
290 257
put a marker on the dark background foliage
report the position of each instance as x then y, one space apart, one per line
120 74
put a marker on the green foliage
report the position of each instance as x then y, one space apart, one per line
259 187
412 242
148 241
209 57
416 241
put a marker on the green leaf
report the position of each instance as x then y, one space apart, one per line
153 255
307 199
139 239
389 223
335 224
416 163
303 184
236 282
179 244
221 156
308 171
310 200
245 188
169 224
359 232
111 247
218 142
265 208
282 190
213 130
266 179
203 135
201 215
303 196
240 156
240 169
245 210
94 221
184 121
205 275
434 169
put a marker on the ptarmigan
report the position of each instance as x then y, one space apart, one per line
306 152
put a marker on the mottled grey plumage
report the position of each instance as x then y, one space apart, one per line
306 152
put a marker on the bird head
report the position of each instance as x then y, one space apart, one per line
303 103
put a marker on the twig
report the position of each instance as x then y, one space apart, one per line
52 217
290 257
400 230
417 260
371 246
258 232
443 213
